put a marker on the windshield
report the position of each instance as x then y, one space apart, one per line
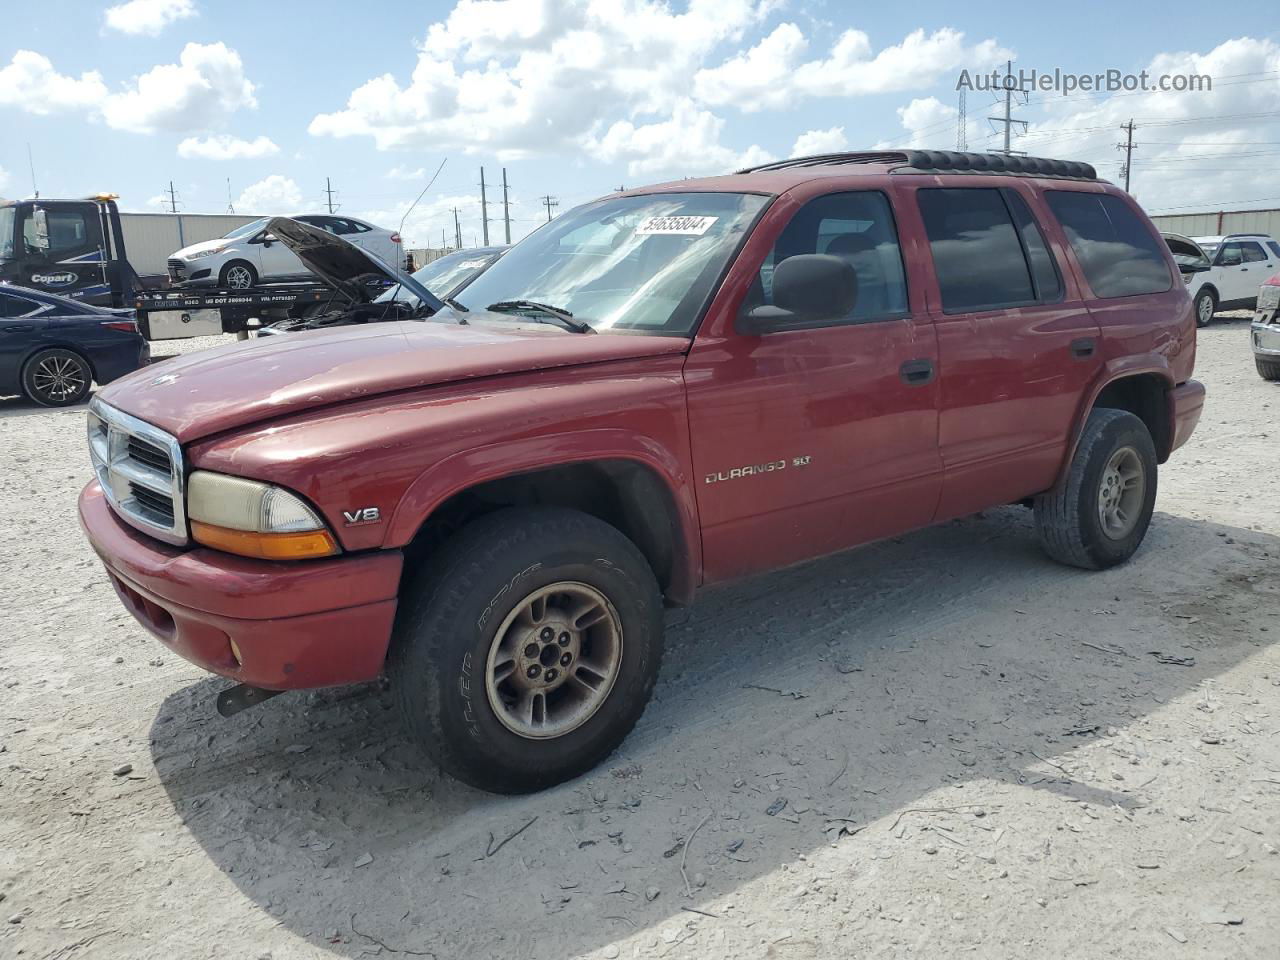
248 230
644 263
442 277
7 215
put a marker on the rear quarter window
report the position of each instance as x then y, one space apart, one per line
1120 256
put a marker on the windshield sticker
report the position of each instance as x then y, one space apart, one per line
675 226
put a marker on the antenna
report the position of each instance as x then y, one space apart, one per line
231 207
400 229
32 164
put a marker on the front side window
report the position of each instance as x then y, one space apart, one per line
8 218
978 252
248 230
858 228
1118 253
1230 255
68 233
640 264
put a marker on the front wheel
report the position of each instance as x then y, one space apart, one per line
57 377
1267 369
1206 306
238 275
527 649
1098 516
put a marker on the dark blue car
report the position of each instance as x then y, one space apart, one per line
52 349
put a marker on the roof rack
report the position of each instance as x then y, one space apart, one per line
944 161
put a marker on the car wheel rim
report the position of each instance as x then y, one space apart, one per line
238 278
554 660
57 378
1121 493
1206 309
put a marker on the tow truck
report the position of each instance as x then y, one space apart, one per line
76 248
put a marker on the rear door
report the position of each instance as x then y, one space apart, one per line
1017 345
1234 278
1258 265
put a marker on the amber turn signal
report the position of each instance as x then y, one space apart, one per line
265 546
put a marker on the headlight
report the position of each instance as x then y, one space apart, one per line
254 519
200 254
1269 297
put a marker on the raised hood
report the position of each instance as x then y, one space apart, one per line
342 264
200 394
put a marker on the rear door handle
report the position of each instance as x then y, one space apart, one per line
916 373
1083 348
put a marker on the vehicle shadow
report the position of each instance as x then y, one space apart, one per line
794 709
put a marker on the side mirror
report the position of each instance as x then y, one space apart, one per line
41 221
1189 268
806 288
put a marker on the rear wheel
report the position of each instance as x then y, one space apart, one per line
1206 306
57 377
238 275
527 649
1267 369
1099 515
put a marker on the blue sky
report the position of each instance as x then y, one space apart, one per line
577 98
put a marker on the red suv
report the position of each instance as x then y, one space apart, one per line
659 390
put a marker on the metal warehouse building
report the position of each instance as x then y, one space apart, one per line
1219 223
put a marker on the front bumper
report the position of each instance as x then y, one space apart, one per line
1187 403
1264 333
295 625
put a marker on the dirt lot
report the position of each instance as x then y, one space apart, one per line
938 746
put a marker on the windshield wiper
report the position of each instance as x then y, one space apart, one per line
561 316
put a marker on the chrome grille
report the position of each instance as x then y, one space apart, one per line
141 472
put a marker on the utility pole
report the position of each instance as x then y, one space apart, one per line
550 201
1127 147
962 124
328 190
484 210
506 210
173 198
1008 119
457 230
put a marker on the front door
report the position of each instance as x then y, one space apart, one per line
809 440
59 249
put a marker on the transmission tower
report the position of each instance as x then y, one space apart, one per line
1008 121
962 123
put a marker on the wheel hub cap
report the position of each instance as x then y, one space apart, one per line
58 378
554 660
1121 493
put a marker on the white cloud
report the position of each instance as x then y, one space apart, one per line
773 73
688 143
276 195
147 17
1194 148
202 89
538 76
929 123
225 147
405 173
814 142
30 83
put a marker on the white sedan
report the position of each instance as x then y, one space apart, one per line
249 255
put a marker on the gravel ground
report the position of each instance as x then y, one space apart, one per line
938 746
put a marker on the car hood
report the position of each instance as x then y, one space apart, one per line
188 252
341 264
200 394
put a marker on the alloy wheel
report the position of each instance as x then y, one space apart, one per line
58 377
1121 493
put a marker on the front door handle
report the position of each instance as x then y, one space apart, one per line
1083 348
916 373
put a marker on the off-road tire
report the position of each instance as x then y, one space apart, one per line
1067 517
451 610
225 278
57 377
1267 369
1201 319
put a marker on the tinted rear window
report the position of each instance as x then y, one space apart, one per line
976 251
1120 256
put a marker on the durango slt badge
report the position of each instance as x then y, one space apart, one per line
64 279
